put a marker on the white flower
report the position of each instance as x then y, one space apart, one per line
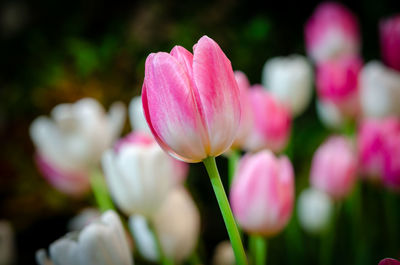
177 224
380 90
290 80
314 209
100 243
136 116
330 114
223 254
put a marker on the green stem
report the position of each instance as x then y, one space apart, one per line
230 223
328 238
161 255
100 190
258 248
233 160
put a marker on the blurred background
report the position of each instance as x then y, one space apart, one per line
60 51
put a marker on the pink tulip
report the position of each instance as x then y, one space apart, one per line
71 182
334 167
332 31
191 102
271 122
246 117
262 193
390 41
379 150
337 82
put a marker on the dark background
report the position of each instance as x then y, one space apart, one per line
59 51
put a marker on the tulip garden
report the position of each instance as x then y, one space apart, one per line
154 137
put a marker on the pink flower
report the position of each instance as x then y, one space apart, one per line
337 82
262 193
389 261
334 167
379 150
390 41
332 31
191 102
246 115
271 122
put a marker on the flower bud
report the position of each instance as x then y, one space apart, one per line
390 41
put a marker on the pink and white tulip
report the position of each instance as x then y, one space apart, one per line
379 90
262 193
271 122
290 80
191 101
337 82
140 175
71 142
390 41
379 150
332 31
334 167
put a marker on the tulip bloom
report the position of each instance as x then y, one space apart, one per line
136 116
290 80
71 142
191 101
390 41
331 32
271 122
140 175
314 209
379 90
176 223
334 167
379 150
100 243
262 193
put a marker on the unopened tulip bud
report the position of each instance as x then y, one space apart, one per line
314 209
331 32
334 167
100 243
262 193
140 175
390 41
290 80
191 101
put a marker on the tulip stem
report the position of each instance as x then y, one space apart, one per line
100 191
258 249
233 159
223 203
161 255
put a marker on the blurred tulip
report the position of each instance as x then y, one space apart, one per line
390 41
7 245
389 261
140 175
136 116
271 122
246 120
191 102
223 254
337 82
334 167
262 193
379 150
332 31
70 143
290 80
330 114
314 209
100 243
379 90
84 218
176 223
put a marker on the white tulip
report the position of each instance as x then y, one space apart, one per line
314 210
380 90
330 114
136 116
100 243
290 80
83 218
139 174
176 223
223 254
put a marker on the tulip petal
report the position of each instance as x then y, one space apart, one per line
170 108
217 94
